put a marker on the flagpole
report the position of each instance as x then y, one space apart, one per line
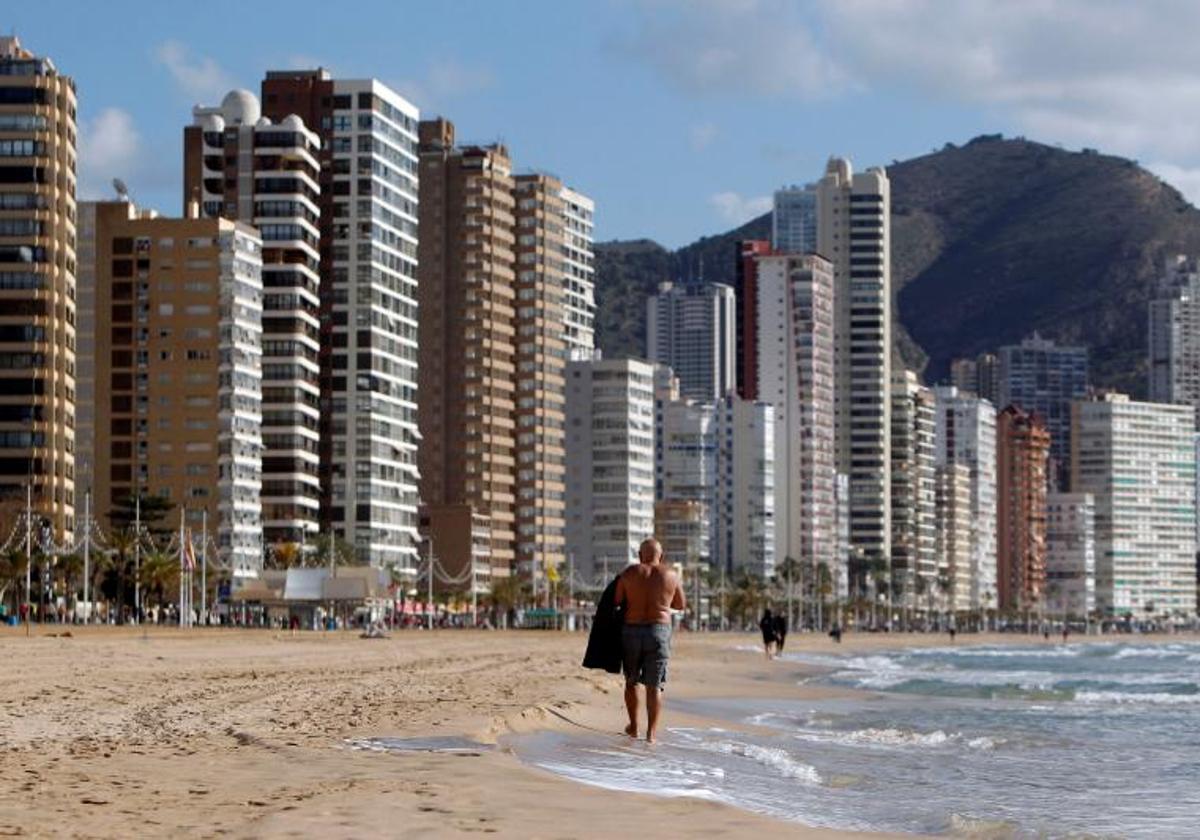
87 554
182 563
137 558
204 563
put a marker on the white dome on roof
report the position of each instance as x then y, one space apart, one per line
293 121
212 122
263 122
241 107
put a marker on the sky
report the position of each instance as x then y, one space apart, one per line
679 117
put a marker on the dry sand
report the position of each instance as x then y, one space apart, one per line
118 732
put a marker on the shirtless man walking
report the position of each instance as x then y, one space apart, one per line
648 591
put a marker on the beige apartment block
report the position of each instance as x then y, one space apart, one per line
37 287
467 371
542 351
177 360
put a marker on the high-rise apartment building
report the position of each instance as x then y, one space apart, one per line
954 541
85 347
467 374
1042 377
745 292
794 220
1070 555
686 438
1174 334
796 375
1137 460
178 370
966 435
914 529
553 242
692 329
37 285
979 376
368 268
854 233
579 212
743 511
610 461
240 165
1022 453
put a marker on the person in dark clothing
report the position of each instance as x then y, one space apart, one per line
836 633
605 650
781 629
767 626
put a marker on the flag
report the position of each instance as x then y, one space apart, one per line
189 553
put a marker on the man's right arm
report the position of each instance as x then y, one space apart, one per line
678 602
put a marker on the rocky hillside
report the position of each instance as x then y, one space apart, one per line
991 241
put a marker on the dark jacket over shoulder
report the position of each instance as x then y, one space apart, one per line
604 642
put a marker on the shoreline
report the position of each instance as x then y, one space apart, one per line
209 732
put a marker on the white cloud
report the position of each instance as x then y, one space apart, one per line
198 76
109 147
702 135
736 209
445 79
1123 77
732 47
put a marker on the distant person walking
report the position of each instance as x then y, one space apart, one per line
781 629
648 591
767 627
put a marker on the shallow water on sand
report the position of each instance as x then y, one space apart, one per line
1091 740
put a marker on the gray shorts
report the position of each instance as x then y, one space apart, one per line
647 647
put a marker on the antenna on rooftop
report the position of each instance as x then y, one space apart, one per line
122 190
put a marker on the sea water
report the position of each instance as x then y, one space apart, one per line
1087 740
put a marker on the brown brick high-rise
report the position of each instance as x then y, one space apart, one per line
1022 449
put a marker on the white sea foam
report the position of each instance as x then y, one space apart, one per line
1157 698
770 757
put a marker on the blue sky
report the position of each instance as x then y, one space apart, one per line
678 117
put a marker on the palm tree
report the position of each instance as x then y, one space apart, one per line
159 571
120 566
748 596
12 574
285 555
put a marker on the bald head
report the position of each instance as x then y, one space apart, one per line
650 551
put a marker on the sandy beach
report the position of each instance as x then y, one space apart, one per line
119 732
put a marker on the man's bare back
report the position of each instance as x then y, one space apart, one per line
649 591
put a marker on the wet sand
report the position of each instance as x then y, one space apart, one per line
119 732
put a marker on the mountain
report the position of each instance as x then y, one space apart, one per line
991 241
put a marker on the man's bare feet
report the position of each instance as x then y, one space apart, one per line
650 738
631 730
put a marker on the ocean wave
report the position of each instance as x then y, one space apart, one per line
772 757
1155 698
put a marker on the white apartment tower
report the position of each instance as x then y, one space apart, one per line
966 435
795 352
1070 554
691 328
744 507
1174 334
1138 461
368 224
610 462
854 233
579 213
794 220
